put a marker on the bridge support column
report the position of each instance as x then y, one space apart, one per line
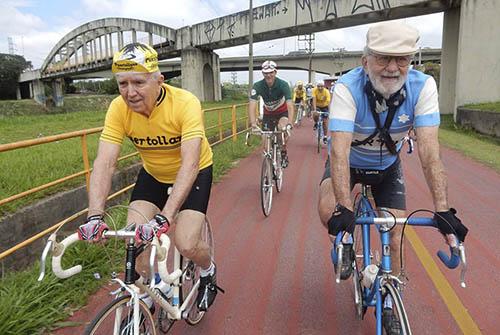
201 73
57 89
477 66
38 91
448 75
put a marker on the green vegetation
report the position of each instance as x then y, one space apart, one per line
47 160
489 106
11 66
480 147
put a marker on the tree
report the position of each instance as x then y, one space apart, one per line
11 66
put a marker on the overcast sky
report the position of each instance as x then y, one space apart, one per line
36 26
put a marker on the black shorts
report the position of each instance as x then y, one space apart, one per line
149 189
323 109
298 100
388 186
270 121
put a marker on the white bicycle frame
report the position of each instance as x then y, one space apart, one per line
159 251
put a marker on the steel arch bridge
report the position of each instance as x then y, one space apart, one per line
90 47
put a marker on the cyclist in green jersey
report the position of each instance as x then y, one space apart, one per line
278 104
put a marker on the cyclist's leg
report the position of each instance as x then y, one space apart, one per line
148 196
390 194
191 218
324 119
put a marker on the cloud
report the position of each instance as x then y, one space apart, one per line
15 22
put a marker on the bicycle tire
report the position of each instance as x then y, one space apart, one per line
398 310
278 171
105 322
266 185
318 131
192 275
359 309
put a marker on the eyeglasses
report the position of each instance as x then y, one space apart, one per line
384 60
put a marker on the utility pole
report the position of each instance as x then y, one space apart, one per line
338 59
250 49
12 46
234 77
307 45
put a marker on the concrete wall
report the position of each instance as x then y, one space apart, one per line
478 64
484 122
31 220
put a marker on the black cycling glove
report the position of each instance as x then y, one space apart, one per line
449 223
342 219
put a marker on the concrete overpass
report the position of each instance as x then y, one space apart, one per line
469 26
331 63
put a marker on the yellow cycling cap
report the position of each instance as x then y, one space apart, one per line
135 57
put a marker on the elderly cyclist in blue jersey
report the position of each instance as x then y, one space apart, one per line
372 108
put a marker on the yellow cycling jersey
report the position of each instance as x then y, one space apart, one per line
322 97
299 94
177 117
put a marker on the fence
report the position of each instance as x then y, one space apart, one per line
220 129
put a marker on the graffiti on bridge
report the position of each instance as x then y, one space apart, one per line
370 4
305 6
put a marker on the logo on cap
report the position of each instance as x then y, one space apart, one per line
135 57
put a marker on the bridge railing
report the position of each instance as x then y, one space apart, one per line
228 123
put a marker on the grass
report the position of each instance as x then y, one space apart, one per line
479 147
489 106
50 164
30 307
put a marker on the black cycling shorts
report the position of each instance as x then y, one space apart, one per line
149 189
270 121
323 109
298 100
388 186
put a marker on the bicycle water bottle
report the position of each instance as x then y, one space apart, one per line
163 288
369 275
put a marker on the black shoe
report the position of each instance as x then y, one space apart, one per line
207 291
315 127
325 139
284 159
391 323
347 259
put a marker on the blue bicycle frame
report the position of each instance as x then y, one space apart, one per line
366 216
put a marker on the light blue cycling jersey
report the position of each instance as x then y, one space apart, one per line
418 110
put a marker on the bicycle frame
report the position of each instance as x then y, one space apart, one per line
133 282
366 217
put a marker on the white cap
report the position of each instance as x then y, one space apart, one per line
392 38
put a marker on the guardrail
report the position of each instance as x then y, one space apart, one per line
221 129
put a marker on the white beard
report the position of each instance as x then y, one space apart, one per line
386 89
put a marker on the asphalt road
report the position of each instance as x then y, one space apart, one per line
277 271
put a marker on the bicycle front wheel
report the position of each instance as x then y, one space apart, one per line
318 137
117 318
266 185
394 317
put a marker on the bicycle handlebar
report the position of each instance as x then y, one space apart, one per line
58 249
457 250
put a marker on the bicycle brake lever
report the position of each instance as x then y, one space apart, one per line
410 145
340 249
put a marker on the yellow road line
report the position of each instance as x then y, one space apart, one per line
450 298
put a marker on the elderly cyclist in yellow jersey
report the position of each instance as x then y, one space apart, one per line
321 102
165 124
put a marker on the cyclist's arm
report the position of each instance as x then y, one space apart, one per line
435 175
339 165
314 103
102 173
252 107
190 158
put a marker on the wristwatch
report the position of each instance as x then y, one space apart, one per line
161 220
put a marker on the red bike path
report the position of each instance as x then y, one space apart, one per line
277 271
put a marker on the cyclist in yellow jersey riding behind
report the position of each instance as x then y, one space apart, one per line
165 124
299 96
321 102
